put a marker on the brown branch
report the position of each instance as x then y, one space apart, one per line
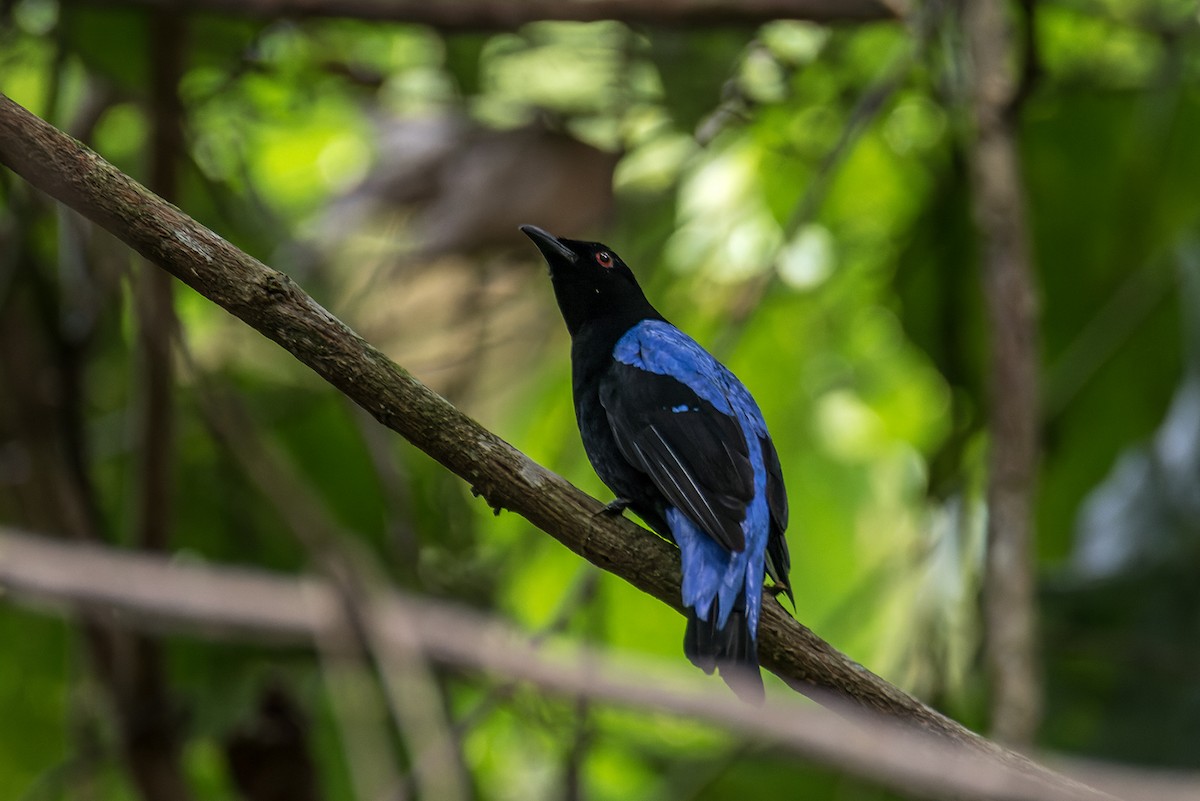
1009 602
273 304
153 295
454 15
150 727
156 594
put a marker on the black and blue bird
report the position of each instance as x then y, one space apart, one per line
680 441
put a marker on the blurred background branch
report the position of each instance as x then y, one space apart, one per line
1010 637
477 15
138 681
213 601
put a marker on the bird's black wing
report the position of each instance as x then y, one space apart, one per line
695 455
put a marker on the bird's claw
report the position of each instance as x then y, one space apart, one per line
614 508
775 590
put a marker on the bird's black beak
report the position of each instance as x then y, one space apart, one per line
551 246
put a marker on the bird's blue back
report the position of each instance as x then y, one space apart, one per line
709 570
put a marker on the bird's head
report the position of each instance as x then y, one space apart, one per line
591 283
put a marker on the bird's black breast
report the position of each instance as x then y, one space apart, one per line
601 446
625 480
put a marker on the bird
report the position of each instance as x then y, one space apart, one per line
680 441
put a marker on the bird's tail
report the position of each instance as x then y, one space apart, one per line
732 649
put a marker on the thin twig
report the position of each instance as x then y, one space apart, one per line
392 474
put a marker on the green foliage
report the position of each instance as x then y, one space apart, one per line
858 325
36 701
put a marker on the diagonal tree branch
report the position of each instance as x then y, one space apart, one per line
150 592
507 14
273 304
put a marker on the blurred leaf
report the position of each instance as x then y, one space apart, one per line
35 746
694 66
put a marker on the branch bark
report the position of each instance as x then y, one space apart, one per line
452 15
153 593
273 304
1009 601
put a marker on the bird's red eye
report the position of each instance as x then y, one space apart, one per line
604 259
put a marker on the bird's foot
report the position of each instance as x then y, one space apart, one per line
775 590
614 508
